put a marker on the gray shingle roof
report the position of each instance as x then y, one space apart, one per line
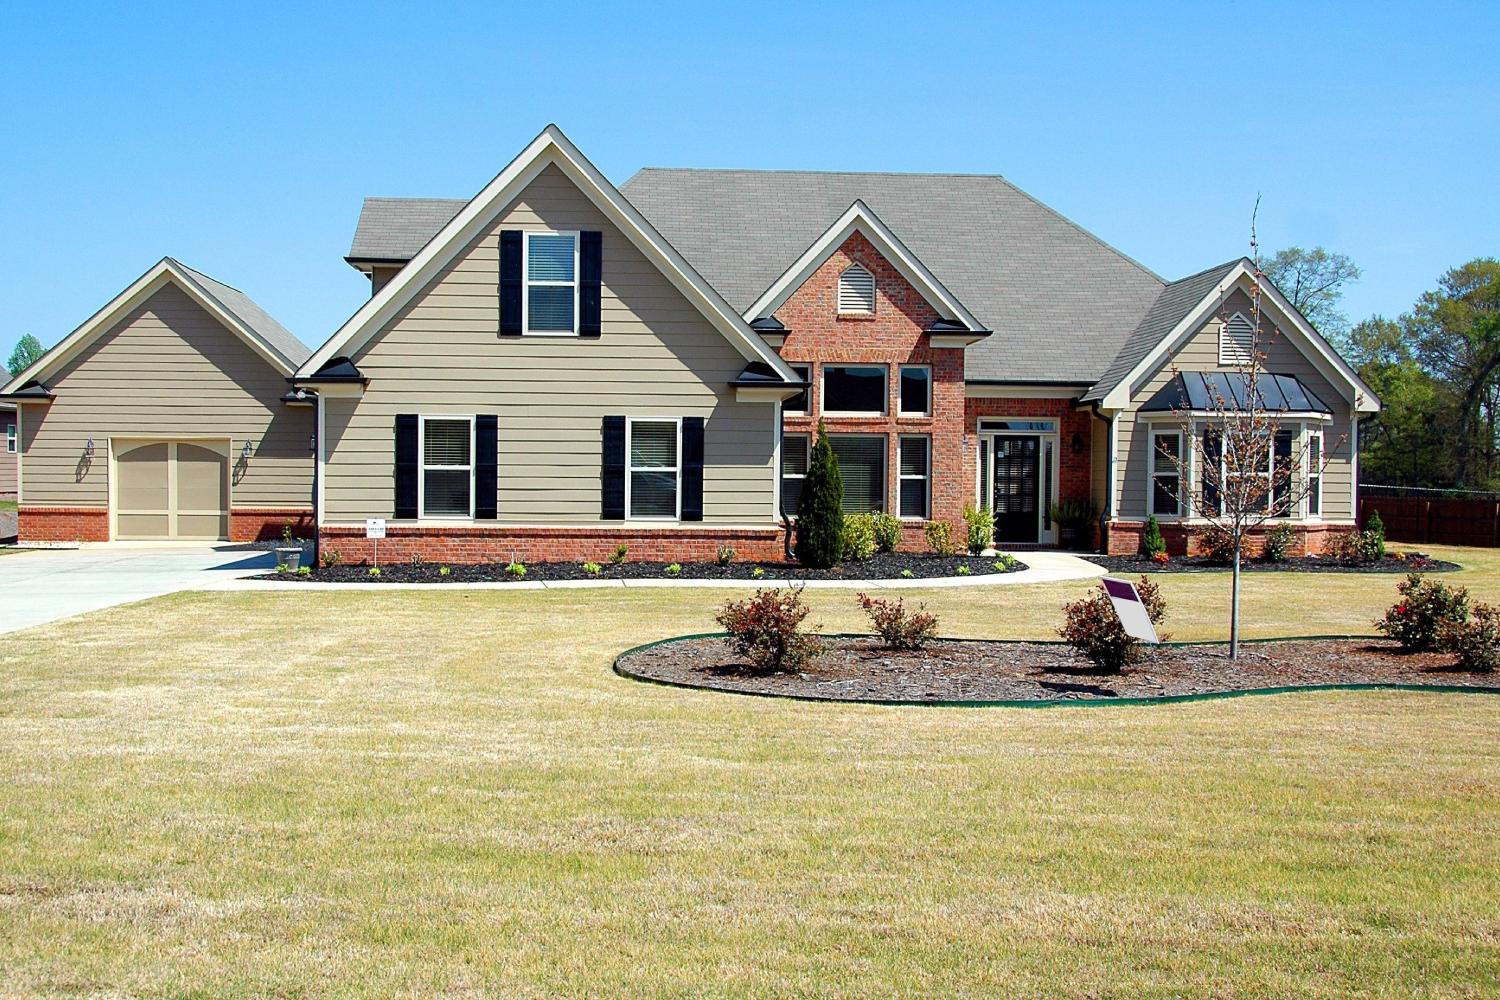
1170 308
396 228
240 305
1061 302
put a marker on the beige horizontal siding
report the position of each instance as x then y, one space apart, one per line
169 369
658 357
1201 353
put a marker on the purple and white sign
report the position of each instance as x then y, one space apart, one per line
1130 609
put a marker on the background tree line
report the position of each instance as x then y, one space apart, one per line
1435 368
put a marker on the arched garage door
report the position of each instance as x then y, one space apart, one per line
172 489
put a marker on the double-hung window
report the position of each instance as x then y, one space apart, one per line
447 483
916 391
1314 473
1166 473
1282 473
862 467
916 476
550 305
857 390
797 405
653 487
795 450
10 439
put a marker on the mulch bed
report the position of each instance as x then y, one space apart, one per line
882 566
1412 562
862 669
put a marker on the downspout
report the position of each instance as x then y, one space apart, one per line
1108 513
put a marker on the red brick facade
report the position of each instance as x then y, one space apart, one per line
460 545
63 524
1307 540
255 524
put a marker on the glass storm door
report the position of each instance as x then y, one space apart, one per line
1016 498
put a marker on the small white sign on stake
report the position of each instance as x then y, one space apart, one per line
375 531
1131 610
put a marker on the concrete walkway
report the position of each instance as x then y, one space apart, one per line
45 585
1042 567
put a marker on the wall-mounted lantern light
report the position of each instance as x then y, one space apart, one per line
245 451
88 448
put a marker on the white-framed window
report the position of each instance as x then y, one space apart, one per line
1166 473
915 474
446 487
1276 474
1314 473
796 455
915 397
653 485
797 405
854 390
856 291
862 468
10 439
549 305
1236 340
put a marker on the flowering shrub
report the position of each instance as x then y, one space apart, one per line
767 629
1092 628
899 629
1476 642
859 537
939 535
1279 543
1216 544
1424 607
887 531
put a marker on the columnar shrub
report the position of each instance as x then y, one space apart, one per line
820 512
981 528
1424 607
1151 540
939 536
1279 543
767 629
887 531
899 628
859 537
1375 528
1091 627
1476 642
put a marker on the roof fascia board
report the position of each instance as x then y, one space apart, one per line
1322 355
859 217
550 147
148 284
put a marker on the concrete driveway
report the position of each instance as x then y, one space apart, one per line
47 585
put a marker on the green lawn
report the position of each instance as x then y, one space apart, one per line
320 793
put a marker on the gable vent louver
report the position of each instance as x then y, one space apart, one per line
1236 340
856 291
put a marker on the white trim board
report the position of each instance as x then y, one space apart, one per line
551 147
1313 346
163 272
859 218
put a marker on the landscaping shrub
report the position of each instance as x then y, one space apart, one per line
964 570
515 569
1425 606
1091 627
1161 558
899 628
939 535
725 555
1279 543
674 569
767 629
1006 562
1151 540
981 528
887 531
1216 544
757 572
617 557
1476 642
1375 528
820 513
859 537
1355 548
330 558
592 568
444 571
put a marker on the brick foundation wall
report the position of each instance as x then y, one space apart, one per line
461 545
63 524
254 524
1307 539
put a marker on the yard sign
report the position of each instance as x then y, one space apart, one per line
1130 609
375 531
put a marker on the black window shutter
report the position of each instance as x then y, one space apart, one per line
406 466
692 468
510 283
612 472
590 281
486 466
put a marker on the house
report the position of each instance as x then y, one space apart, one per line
166 415
558 366
9 462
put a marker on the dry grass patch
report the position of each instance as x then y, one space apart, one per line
448 792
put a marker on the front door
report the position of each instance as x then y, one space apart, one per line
1017 487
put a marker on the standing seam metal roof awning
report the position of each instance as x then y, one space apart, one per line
1199 391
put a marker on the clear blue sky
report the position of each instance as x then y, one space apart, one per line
242 142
